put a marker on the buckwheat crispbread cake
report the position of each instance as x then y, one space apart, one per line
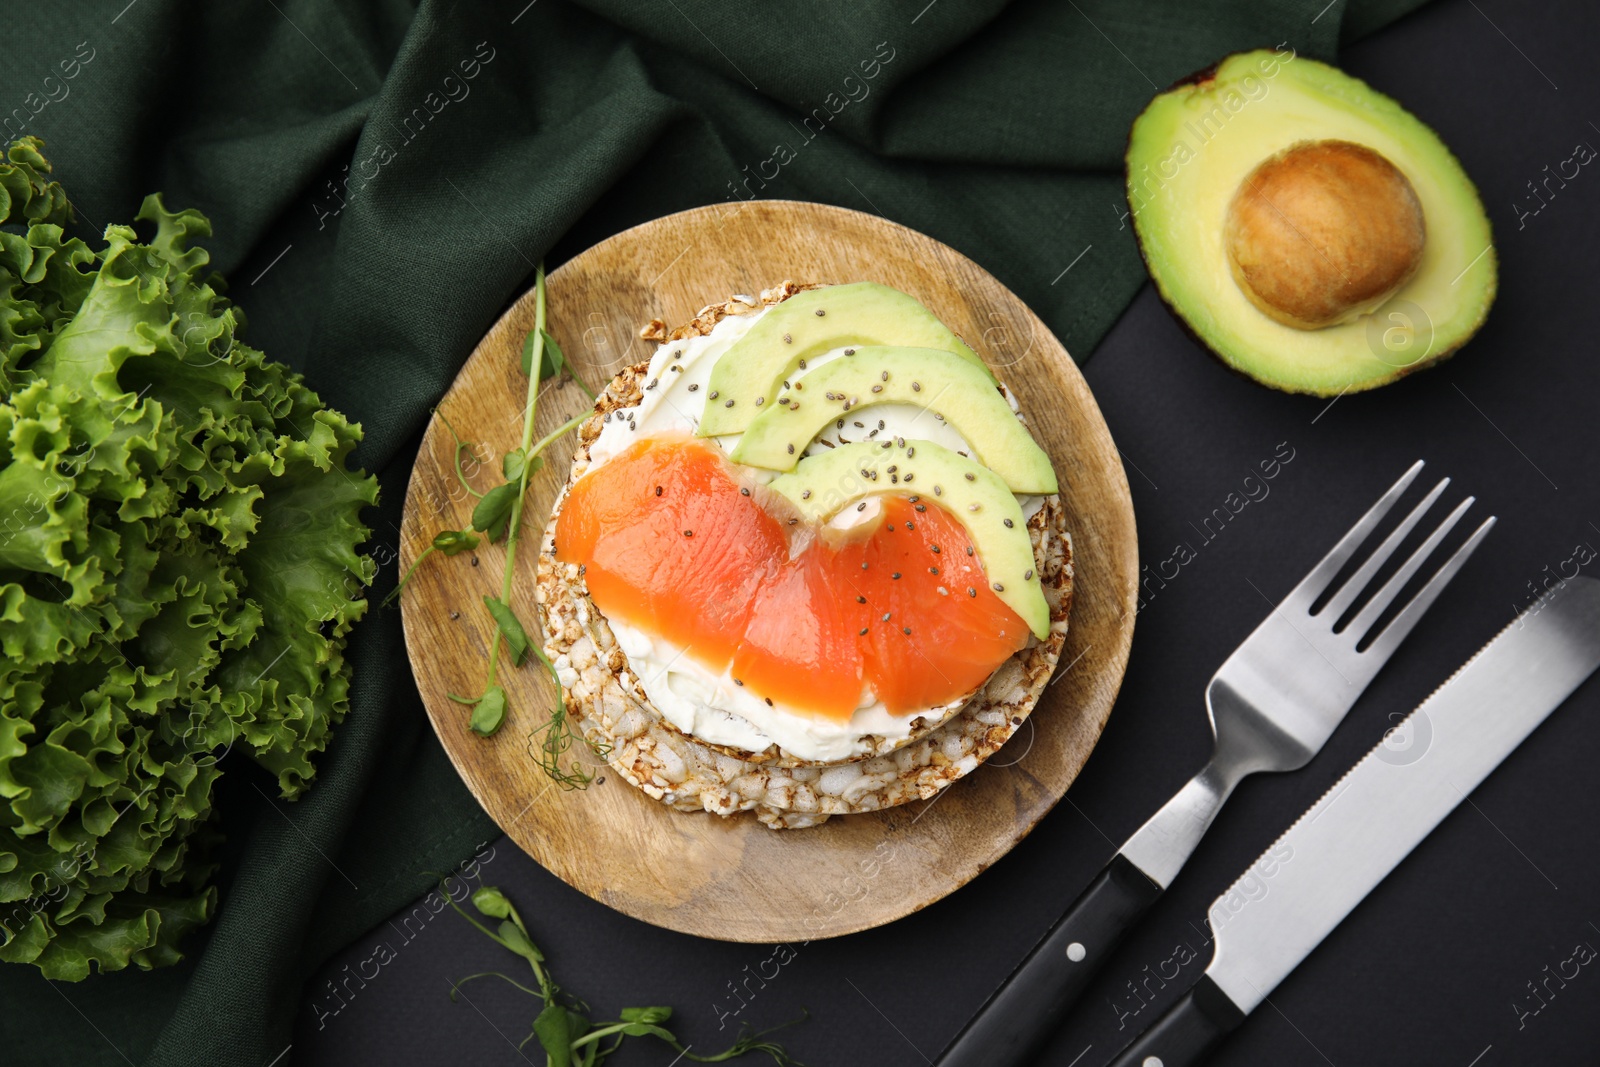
608 703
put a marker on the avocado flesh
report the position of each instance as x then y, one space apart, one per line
943 385
751 372
1188 153
822 485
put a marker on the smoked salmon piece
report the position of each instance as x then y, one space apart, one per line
673 541
946 631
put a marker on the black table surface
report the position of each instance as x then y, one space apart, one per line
1436 966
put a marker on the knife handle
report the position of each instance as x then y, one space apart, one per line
1187 1033
1019 1016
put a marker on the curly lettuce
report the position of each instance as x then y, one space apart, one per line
179 570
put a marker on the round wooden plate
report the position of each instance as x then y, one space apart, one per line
732 878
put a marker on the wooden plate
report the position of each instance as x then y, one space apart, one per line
732 878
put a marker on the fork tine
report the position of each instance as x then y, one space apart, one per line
1384 597
1397 630
1380 555
1312 585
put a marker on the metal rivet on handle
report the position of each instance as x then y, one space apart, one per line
1151 1061
1075 952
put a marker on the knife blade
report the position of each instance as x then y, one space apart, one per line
1325 864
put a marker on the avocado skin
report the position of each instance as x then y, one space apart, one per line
1199 79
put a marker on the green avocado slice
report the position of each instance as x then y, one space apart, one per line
1187 155
748 375
826 483
945 386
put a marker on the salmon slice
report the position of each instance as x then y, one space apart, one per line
675 543
672 545
946 630
801 645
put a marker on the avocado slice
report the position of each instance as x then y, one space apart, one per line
748 375
824 484
1309 231
945 386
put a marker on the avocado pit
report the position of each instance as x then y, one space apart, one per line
1323 232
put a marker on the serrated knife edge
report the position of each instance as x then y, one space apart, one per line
1231 967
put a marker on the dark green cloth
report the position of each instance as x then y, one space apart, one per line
998 128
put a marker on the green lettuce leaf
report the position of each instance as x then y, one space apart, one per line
180 568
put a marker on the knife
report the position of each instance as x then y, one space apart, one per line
1329 860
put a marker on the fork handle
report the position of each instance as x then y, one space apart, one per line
1019 1016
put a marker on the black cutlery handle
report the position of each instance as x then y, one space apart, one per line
1020 1015
1187 1033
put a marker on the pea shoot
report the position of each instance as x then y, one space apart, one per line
498 515
568 1037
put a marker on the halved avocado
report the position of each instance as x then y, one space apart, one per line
746 377
947 387
1307 229
826 483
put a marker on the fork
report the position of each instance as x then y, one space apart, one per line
1272 705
